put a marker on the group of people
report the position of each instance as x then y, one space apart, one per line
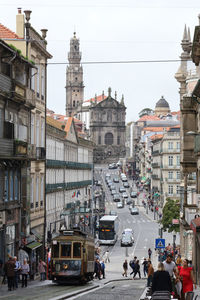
13 270
135 268
170 278
99 269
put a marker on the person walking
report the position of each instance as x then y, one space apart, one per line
149 253
137 269
107 256
9 272
41 269
150 273
103 269
170 266
161 284
97 269
145 267
125 268
24 271
187 277
17 272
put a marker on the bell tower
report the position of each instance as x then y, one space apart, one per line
74 78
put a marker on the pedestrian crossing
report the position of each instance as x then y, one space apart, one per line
138 221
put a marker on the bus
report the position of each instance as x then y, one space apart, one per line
108 230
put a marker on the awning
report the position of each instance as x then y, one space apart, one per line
35 232
143 179
34 245
195 224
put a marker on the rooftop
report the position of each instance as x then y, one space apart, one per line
6 33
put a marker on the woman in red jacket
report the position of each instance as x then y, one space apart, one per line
186 274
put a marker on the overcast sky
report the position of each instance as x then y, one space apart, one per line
113 30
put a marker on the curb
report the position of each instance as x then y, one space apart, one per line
69 295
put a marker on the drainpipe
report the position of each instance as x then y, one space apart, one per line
45 214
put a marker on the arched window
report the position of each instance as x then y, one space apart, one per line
74 103
108 138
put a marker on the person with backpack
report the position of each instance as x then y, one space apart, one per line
137 269
132 264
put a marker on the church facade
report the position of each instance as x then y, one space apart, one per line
107 129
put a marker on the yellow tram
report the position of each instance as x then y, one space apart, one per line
72 257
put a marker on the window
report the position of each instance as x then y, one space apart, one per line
33 73
66 249
11 185
38 81
32 129
76 78
178 190
118 140
76 250
42 84
170 189
42 132
170 175
178 145
178 175
16 126
1 123
32 192
38 132
37 192
99 140
42 191
178 160
108 138
170 160
74 103
55 250
16 186
6 186
170 145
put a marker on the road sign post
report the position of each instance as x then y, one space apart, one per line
160 243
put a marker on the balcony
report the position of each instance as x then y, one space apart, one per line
40 153
6 147
32 152
155 165
5 83
166 150
155 177
156 152
172 180
67 186
20 148
30 98
190 212
67 164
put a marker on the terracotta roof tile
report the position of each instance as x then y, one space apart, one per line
148 118
54 123
99 99
68 124
155 129
6 33
156 136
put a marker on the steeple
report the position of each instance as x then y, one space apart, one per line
109 92
122 100
74 78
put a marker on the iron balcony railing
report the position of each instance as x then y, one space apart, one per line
51 163
51 187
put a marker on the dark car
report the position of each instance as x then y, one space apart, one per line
133 194
116 197
126 185
129 201
126 240
122 189
134 211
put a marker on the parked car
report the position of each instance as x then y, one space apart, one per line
133 194
113 191
120 205
134 211
122 189
124 178
116 179
98 183
112 166
116 197
124 195
112 187
126 184
126 240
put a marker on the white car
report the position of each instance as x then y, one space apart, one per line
127 230
120 205
124 195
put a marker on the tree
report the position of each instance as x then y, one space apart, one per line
171 211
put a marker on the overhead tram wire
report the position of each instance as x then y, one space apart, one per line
118 62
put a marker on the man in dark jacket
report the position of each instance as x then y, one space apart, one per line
161 284
9 270
137 269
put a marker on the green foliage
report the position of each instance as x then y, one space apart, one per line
171 211
14 48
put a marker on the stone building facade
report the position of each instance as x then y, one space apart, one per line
107 129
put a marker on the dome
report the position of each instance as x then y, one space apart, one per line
162 103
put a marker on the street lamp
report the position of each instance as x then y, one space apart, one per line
27 26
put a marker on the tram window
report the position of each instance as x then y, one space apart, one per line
77 250
55 250
66 249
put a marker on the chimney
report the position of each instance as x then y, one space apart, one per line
20 23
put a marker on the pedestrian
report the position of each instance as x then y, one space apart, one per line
145 267
149 253
179 260
137 269
41 268
161 284
25 271
9 272
103 269
149 273
132 264
187 277
1 272
97 269
125 268
17 272
107 256
170 266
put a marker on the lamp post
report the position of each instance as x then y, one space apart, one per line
27 26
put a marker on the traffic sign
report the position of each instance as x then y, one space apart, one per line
160 243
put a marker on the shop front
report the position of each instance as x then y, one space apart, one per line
195 226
